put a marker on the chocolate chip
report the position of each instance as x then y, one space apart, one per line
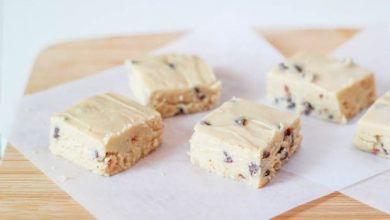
133 139
180 111
205 123
253 168
287 132
199 93
283 66
266 154
384 149
285 155
291 105
56 133
280 150
172 65
96 154
228 158
267 173
298 68
308 108
292 140
241 121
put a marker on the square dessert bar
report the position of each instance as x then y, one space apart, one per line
373 131
324 87
105 133
245 141
174 84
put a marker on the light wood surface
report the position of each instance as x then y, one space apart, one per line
26 193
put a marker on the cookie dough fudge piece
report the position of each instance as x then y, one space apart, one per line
245 141
106 133
373 131
174 84
324 87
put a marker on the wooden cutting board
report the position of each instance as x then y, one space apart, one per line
27 193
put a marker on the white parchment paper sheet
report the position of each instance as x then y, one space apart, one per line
327 155
165 185
376 56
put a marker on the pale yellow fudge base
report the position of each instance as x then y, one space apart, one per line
373 130
328 89
227 150
103 149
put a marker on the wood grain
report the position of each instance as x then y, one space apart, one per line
26 193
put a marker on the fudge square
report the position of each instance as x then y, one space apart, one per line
373 130
245 141
106 133
174 84
324 87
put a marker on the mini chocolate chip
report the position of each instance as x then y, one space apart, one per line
202 96
321 96
56 133
205 123
292 140
280 150
96 154
266 154
283 66
287 132
267 173
298 68
172 65
285 155
330 117
134 139
308 108
384 149
180 111
291 105
228 158
253 168
241 121
197 90
199 93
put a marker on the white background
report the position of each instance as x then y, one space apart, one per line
30 25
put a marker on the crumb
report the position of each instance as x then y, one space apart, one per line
64 178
